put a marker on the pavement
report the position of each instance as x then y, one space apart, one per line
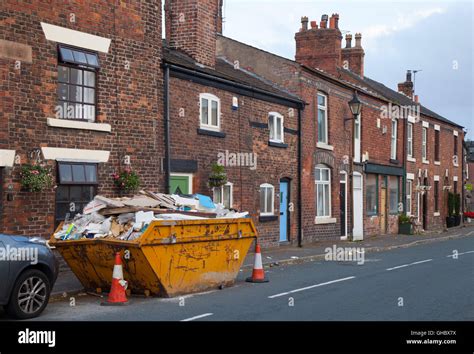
429 281
68 284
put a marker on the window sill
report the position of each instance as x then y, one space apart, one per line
411 159
394 161
74 124
214 133
267 218
324 220
426 162
455 164
7 158
277 144
325 146
437 163
437 214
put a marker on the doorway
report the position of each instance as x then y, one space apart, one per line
284 209
425 205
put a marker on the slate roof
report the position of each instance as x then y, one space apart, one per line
395 96
225 70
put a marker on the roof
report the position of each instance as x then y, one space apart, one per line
395 96
225 70
365 84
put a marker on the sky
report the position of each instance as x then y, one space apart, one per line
435 37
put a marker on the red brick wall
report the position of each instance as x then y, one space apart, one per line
128 99
273 163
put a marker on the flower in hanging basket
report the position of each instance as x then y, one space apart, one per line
36 178
218 177
126 180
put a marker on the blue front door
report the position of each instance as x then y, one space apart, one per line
284 211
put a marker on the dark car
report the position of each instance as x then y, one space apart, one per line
28 271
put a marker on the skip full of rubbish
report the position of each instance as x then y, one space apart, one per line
127 218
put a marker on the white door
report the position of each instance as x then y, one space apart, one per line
357 139
358 207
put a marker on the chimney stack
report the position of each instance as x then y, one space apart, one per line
348 40
304 23
406 87
354 55
191 27
320 47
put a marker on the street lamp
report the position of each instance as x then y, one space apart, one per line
355 105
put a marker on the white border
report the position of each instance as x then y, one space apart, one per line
190 179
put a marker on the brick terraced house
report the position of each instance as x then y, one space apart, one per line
382 178
93 89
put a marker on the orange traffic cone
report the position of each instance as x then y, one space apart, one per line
258 274
117 295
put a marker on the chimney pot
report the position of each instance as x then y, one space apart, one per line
304 23
348 40
358 38
324 21
408 75
417 99
334 21
314 24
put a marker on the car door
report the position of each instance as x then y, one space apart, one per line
4 274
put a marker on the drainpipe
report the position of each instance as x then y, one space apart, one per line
300 182
405 157
166 106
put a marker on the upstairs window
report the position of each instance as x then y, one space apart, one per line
275 124
393 154
77 84
267 199
436 145
455 158
410 140
322 119
424 144
210 111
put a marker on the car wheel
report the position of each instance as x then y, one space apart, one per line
30 295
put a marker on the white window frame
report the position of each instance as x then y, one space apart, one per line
190 179
221 201
394 138
409 193
276 117
424 144
263 208
210 98
325 109
327 213
410 141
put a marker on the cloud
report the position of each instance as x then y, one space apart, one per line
402 22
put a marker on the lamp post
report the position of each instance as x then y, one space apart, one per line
355 106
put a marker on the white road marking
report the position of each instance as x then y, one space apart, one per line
197 317
410 264
310 287
470 233
459 254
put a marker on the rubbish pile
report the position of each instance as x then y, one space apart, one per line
127 218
